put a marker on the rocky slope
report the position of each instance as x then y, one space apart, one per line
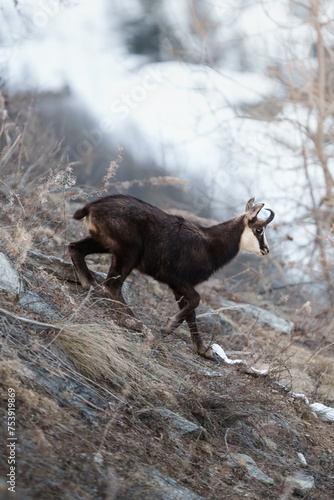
104 411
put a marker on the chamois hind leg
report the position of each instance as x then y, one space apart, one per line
78 251
119 269
197 341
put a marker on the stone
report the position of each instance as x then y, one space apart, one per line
211 321
64 270
301 482
211 373
33 302
58 267
264 317
180 424
9 279
249 464
154 485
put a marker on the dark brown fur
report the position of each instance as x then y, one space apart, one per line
167 247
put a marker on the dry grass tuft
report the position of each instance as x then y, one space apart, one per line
109 357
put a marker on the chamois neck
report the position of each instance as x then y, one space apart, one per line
224 240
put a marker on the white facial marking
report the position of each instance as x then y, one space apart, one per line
90 226
249 242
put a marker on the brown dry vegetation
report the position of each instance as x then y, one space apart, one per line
85 401
86 389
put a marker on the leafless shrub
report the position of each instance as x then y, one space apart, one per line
111 172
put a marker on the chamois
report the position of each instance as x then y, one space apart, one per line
167 247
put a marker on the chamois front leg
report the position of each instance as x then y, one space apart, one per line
188 301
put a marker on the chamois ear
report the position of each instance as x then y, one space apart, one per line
249 204
252 213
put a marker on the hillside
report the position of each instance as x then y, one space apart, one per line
105 411
235 99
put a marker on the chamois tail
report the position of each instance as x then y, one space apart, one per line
81 213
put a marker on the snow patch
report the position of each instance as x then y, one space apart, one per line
323 411
221 353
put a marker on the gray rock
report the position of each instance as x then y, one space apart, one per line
9 279
211 321
249 464
65 270
211 373
67 391
156 486
264 317
58 267
181 424
33 302
301 482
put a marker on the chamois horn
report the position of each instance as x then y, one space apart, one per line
271 216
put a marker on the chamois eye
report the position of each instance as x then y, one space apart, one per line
259 230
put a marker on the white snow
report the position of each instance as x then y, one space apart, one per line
323 411
302 458
181 112
220 351
187 118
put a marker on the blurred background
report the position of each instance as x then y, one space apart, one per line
233 98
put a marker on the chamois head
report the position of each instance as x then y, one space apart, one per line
253 238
